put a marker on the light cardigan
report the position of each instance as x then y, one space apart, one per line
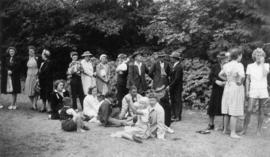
90 106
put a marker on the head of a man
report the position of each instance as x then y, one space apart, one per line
133 91
153 100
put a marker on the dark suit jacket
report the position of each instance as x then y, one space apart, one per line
135 79
176 84
155 74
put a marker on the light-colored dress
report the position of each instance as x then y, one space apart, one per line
87 77
31 78
103 74
233 94
91 106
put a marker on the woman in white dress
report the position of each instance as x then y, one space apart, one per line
103 74
234 93
88 80
91 103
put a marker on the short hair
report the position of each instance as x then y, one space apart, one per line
235 53
31 47
152 95
57 82
256 52
46 53
11 48
90 90
109 95
132 88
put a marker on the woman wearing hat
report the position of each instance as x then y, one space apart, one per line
103 75
214 108
45 79
87 75
10 80
74 74
121 81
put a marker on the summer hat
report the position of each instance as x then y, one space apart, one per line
162 54
175 55
136 54
87 53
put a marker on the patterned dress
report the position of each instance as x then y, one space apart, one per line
233 94
31 78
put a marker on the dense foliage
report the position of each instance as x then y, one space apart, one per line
198 29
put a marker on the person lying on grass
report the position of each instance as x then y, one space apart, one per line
70 119
138 131
108 114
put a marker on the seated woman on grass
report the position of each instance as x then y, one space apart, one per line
70 119
138 132
91 104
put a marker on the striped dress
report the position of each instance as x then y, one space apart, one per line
233 94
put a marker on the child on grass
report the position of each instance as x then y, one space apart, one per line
70 119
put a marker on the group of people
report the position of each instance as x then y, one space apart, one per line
127 103
101 101
233 87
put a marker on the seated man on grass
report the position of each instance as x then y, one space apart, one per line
70 119
108 114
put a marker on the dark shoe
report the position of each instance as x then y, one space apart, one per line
210 127
85 128
137 139
43 110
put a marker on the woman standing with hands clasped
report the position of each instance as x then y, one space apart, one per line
103 74
234 92
32 76
10 83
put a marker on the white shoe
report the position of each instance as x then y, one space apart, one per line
10 107
1 106
169 130
14 107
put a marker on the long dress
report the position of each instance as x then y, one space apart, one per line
91 106
87 77
32 71
214 108
233 94
103 74
121 82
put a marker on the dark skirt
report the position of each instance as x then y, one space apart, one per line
69 125
214 108
46 88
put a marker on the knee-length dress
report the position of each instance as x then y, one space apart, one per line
103 74
32 71
214 108
10 83
233 94
88 80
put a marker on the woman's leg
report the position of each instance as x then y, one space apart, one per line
31 98
251 102
14 99
226 123
260 116
233 123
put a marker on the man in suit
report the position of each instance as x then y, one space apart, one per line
160 72
176 86
136 73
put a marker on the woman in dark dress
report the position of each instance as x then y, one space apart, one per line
57 98
10 82
121 78
214 108
45 79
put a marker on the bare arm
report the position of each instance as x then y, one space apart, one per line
247 85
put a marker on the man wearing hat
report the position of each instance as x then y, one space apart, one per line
136 73
160 72
176 86
74 76
88 80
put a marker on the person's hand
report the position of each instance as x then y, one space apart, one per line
168 87
220 83
9 72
